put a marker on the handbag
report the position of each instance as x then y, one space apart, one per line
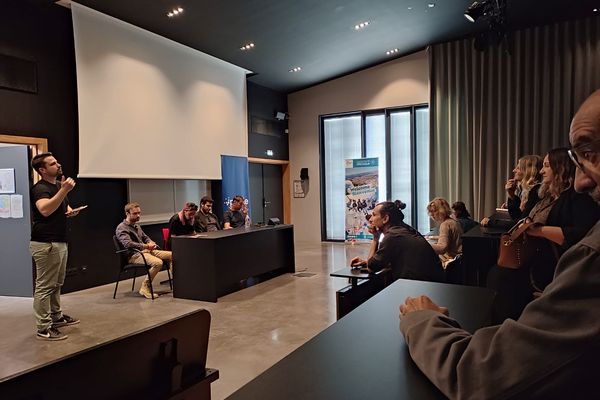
517 248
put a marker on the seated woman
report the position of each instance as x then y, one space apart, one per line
460 214
402 247
182 223
522 190
449 243
565 217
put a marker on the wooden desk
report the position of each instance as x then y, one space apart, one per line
213 264
480 252
363 355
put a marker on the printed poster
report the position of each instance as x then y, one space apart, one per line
362 192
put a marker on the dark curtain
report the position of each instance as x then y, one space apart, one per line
489 108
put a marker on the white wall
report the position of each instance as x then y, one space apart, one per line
400 82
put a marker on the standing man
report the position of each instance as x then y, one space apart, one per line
234 217
131 236
48 245
205 220
552 350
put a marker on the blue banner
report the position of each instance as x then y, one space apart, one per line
362 186
234 172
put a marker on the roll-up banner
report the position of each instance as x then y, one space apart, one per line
234 172
362 185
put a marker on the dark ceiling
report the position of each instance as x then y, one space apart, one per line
319 35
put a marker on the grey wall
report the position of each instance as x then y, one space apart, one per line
15 259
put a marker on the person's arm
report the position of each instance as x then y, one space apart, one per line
124 237
46 206
552 233
443 241
199 223
227 220
512 359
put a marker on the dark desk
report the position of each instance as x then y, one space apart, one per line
480 252
363 355
350 297
212 264
354 274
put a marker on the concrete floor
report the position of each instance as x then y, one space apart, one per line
250 331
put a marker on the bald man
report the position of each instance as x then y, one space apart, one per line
553 350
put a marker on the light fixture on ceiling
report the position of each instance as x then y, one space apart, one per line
595 10
296 69
247 46
174 12
476 10
431 5
360 26
390 52
410 8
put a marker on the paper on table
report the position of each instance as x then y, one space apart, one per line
4 206
16 206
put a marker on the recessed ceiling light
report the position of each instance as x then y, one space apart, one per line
431 5
390 52
362 25
247 46
296 69
595 10
410 8
174 12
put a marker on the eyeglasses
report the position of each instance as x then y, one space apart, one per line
587 153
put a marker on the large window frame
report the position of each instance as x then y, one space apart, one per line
388 156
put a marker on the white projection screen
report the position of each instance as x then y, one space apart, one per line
150 108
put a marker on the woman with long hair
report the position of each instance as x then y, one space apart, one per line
563 217
402 248
449 242
182 223
462 215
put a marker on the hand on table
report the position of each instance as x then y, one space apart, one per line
420 303
358 262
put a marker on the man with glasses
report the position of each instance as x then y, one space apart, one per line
553 349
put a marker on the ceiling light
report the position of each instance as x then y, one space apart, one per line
431 5
390 52
595 10
247 46
475 10
174 12
410 8
296 69
362 25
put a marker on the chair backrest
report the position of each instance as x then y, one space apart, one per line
123 259
166 244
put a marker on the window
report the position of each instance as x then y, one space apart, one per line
400 139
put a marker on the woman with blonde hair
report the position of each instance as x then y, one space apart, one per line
449 242
526 181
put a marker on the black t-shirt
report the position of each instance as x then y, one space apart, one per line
235 218
52 228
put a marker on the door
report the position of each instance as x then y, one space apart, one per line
266 192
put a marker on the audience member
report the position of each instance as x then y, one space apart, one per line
48 246
182 223
235 216
131 236
402 247
522 191
566 217
461 214
205 220
552 349
449 242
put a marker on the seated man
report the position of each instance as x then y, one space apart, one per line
182 223
551 351
234 217
205 220
131 236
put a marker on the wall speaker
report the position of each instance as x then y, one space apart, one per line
304 174
274 221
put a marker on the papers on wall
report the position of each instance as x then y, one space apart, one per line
7 180
11 206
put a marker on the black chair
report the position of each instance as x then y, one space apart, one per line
454 271
125 266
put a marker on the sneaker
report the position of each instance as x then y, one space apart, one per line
65 321
145 291
51 333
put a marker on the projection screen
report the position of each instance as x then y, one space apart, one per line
150 107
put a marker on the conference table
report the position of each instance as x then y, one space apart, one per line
363 355
209 265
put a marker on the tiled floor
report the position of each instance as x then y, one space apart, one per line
251 329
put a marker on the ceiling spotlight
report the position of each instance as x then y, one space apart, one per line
390 52
174 12
476 10
595 10
247 46
296 69
410 8
431 5
362 25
